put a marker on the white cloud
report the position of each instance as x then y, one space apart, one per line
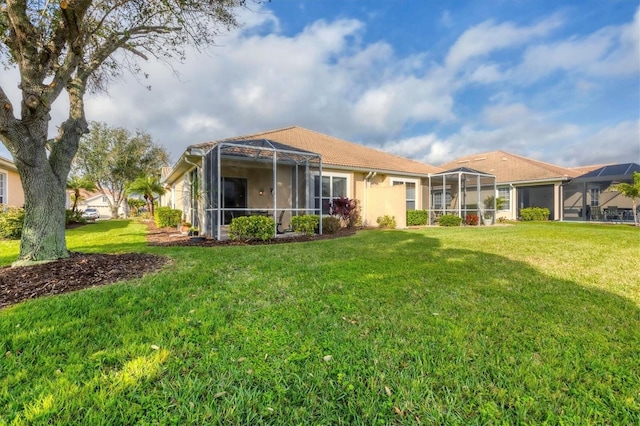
487 37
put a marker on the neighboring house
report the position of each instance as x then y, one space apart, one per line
291 171
98 201
11 193
522 182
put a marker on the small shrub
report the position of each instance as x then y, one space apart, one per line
417 217
305 224
449 220
471 219
330 225
503 220
248 228
166 216
534 213
346 210
11 222
74 217
386 222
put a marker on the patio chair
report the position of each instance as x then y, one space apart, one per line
613 214
289 229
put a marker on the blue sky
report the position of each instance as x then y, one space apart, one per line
557 81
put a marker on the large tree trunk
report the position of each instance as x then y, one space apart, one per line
43 234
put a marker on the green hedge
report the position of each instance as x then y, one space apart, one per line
11 222
166 216
534 213
449 220
330 225
248 228
305 224
417 217
386 222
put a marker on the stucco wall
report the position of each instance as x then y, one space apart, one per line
386 200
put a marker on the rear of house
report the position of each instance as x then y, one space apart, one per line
292 171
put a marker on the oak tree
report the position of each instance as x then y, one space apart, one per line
79 46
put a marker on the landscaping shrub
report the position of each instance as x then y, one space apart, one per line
386 221
534 213
11 223
449 220
346 210
252 228
417 217
74 217
166 216
330 225
471 219
306 224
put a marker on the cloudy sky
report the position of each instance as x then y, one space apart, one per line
557 81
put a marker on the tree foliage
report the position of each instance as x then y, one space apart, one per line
79 46
113 159
630 190
76 184
148 187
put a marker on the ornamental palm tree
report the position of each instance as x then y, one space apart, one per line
76 184
630 190
148 187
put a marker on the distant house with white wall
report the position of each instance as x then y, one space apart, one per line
98 201
11 193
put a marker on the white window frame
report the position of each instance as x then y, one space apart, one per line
330 175
507 200
4 179
416 182
447 200
594 192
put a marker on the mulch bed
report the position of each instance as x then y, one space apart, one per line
82 270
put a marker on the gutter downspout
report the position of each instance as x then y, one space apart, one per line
367 178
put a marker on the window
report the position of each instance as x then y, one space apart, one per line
333 186
104 200
595 196
437 199
3 188
505 193
411 192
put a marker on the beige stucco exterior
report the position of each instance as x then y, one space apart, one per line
13 186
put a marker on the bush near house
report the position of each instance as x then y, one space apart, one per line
346 210
534 213
249 228
166 216
11 223
305 224
386 222
471 219
330 225
449 220
417 217
72 216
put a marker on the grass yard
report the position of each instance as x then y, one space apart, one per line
534 323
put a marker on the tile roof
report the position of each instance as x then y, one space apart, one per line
336 152
509 167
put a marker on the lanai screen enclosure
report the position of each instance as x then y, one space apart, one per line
258 177
460 192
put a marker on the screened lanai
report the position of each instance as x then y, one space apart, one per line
461 192
586 198
258 177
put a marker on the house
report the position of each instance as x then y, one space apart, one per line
291 171
98 201
522 182
11 193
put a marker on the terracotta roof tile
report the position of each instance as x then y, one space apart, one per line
509 167
337 152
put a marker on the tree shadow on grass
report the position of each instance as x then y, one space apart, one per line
456 336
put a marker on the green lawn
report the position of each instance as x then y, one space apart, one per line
534 323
